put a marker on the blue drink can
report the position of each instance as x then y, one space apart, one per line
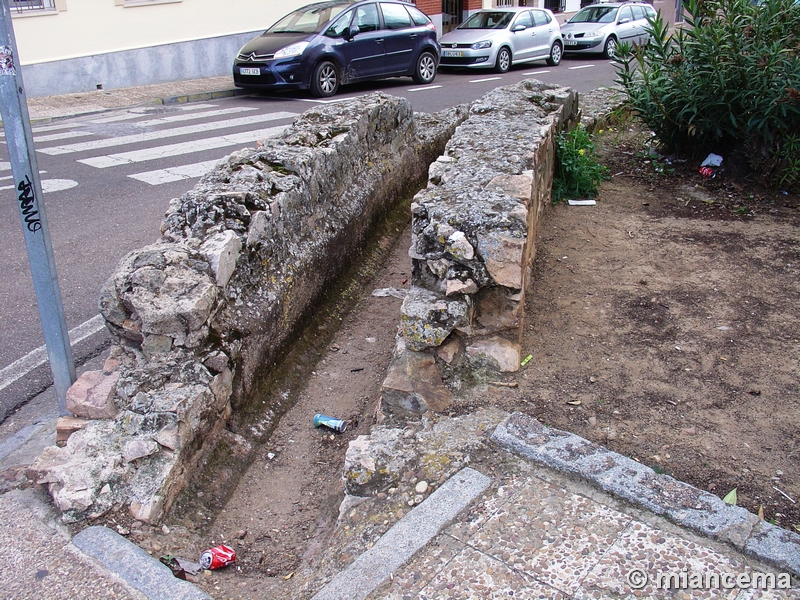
330 422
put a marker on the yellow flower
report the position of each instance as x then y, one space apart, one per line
581 151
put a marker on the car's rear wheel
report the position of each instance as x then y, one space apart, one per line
503 62
610 49
426 68
325 81
556 52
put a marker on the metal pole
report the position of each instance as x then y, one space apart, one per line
28 191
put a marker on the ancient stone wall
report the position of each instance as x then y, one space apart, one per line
242 258
474 241
201 314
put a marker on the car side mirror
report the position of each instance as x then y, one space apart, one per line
352 31
624 20
517 28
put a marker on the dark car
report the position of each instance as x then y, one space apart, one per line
326 44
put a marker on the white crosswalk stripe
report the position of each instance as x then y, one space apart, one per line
171 174
138 113
135 156
156 135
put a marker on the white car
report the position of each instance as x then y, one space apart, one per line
501 37
602 27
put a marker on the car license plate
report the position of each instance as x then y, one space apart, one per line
249 71
452 53
570 42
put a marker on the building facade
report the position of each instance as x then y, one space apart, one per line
69 46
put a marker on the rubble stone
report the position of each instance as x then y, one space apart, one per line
92 395
499 352
413 384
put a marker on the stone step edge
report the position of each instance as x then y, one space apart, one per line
406 537
134 566
660 494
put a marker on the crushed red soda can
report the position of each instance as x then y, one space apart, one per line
707 172
217 557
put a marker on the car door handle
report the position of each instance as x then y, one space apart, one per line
413 36
380 41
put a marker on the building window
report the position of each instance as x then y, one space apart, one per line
504 3
20 6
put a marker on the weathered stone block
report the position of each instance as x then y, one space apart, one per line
427 318
497 352
92 395
222 252
413 384
504 258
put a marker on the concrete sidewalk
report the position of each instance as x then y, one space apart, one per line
544 514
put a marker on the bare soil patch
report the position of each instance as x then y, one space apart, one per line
662 323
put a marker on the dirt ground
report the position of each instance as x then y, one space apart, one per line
662 323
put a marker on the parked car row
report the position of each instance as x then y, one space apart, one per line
324 45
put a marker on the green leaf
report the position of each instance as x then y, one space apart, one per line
730 497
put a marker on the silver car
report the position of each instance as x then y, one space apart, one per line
602 27
501 37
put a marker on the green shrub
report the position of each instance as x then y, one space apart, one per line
577 173
727 82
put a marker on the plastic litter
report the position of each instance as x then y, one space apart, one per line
581 202
712 160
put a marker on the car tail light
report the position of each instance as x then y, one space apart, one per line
430 26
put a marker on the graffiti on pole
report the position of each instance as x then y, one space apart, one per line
27 204
7 61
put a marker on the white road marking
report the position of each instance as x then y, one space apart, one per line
48 185
157 135
136 113
581 67
56 185
5 166
38 357
324 101
195 116
422 89
536 72
64 135
487 79
123 158
171 174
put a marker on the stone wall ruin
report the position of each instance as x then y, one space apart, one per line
246 253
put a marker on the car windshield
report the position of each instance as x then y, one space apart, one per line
595 14
309 19
488 20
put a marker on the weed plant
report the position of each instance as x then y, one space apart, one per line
577 173
728 81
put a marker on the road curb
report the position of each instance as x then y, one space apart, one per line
660 494
408 535
134 566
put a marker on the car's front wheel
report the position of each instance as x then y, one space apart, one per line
325 81
426 68
556 52
610 49
503 62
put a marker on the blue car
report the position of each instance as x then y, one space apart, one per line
327 44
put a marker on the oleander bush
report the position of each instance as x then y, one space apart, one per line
728 81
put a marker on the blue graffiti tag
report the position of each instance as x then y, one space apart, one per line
27 201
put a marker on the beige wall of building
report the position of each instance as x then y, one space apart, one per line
77 28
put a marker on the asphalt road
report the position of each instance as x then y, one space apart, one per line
108 179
